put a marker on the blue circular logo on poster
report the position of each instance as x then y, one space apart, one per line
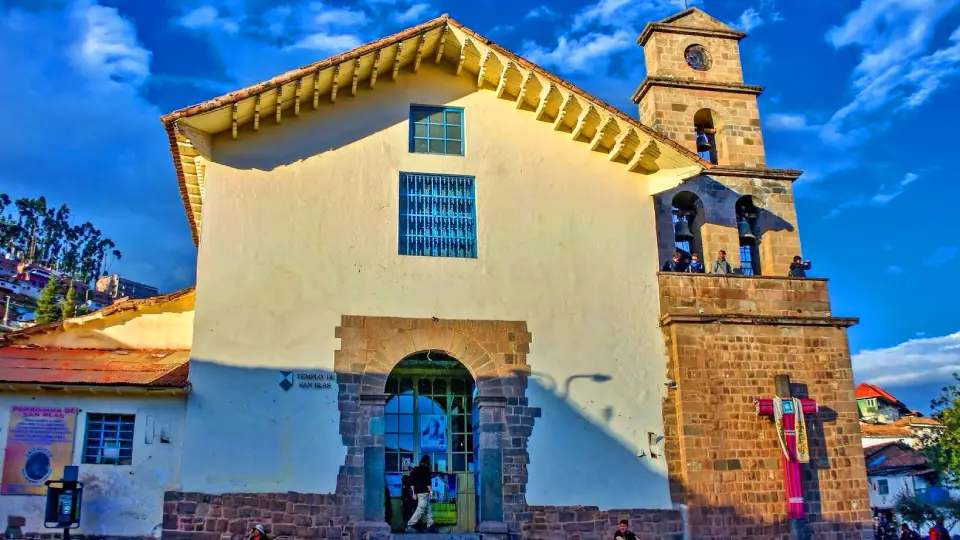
36 468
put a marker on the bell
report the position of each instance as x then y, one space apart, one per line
745 230
682 231
703 144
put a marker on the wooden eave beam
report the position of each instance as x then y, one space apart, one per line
522 93
545 100
396 60
463 55
333 85
376 68
316 89
296 98
482 71
233 119
356 77
502 83
618 144
256 113
645 157
581 124
443 41
279 103
558 121
420 45
602 130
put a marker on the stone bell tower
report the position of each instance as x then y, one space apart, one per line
694 87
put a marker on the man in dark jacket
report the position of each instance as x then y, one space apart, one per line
420 484
798 268
624 532
676 264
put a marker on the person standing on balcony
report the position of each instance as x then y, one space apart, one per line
696 265
798 269
721 266
676 264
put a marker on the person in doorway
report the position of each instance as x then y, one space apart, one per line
623 531
420 483
939 532
906 533
696 265
409 502
675 264
798 268
258 532
721 266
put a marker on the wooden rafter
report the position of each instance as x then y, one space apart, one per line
376 68
502 83
522 93
316 89
482 72
296 98
396 60
256 113
558 121
618 144
356 77
443 41
463 55
645 157
544 100
582 121
279 103
233 120
608 122
420 44
333 86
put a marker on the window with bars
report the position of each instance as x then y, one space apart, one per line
436 130
109 439
437 216
746 259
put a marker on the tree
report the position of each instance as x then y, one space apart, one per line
69 306
942 447
47 309
917 510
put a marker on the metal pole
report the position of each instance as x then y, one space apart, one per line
6 312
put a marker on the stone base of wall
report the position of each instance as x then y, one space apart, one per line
590 523
197 516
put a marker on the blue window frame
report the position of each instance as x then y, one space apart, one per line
109 439
436 130
437 215
746 259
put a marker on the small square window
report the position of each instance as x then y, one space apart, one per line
432 128
109 439
883 487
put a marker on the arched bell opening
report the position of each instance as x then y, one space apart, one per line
747 215
430 411
705 131
688 218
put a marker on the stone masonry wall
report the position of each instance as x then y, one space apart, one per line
663 56
590 523
724 460
716 222
775 297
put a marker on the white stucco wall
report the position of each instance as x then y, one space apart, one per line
117 500
300 226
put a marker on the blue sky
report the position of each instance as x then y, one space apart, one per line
861 94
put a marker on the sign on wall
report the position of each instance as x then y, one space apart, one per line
309 381
39 442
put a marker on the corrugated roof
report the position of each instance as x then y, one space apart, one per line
89 367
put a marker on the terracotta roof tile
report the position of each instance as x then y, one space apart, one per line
885 430
866 390
89 367
893 455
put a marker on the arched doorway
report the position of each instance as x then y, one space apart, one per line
430 411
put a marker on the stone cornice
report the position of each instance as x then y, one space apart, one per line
771 174
674 82
763 320
687 30
740 276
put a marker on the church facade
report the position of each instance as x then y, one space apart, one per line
429 246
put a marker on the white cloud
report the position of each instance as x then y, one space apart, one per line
909 178
208 18
927 360
579 55
325 17
541 12
880 198
942 255
328 43
415 12
788 122
894 270
748 20
108 48
896 68
625 13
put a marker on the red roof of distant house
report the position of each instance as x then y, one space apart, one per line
90 367
894 455
865 390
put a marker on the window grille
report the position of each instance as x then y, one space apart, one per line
436 130
109 439
437 216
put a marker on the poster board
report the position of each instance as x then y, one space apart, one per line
39 442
